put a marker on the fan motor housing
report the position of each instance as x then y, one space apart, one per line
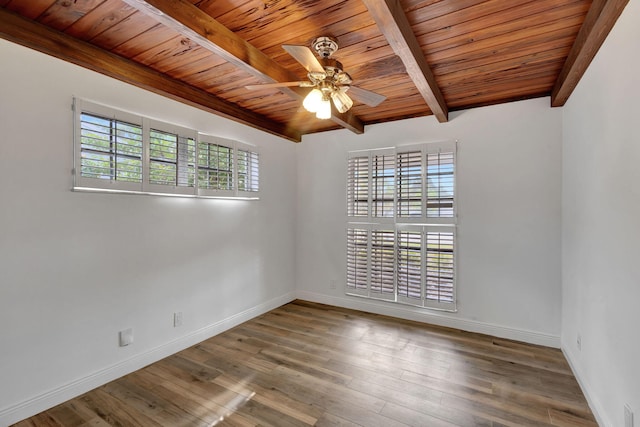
332 66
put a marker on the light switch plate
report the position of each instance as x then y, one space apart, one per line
126 337
177 319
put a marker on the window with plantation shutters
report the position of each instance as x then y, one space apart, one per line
171 159
116 151
110 149
401 225
215 166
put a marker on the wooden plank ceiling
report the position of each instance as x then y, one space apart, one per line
425 56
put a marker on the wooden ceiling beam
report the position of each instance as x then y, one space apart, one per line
600 19
393 23
188 20
46 40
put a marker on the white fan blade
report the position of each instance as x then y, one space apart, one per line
304 56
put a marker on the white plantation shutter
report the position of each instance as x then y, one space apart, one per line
401 225
108 149
409 184
171 159
357 261
163 158
111 149
247 171
383 167
186 162
440 270
382 263
409 261
358 186
440 185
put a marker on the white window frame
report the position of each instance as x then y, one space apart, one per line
84 183
422 224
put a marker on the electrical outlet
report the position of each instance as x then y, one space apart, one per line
177 319
126 337
628 416
579 342
333 284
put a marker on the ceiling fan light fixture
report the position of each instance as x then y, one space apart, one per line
341 100
313 101
324 112
327 79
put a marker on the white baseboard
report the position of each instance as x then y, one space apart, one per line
594 404
431 317
37 404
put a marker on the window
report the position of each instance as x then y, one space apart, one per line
215 166
401 225
171 159
118 151
110 149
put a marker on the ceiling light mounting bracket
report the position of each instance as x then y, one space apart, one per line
325 46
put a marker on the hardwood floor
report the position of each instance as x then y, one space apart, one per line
311 364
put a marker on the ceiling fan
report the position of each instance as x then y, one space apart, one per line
327 78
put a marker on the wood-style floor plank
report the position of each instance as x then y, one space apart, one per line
307 364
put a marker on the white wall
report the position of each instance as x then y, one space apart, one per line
508 182
600 220
75 268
